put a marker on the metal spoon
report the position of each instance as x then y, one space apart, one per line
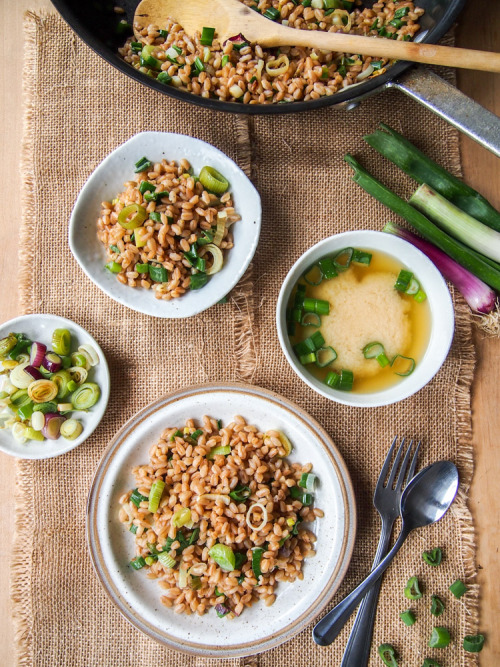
231 17
424 501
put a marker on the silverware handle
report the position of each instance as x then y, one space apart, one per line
448 102
330 625
358 646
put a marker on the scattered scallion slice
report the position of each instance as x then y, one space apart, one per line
412 589
240 493
473 643
346 380
155 495
332 379
327 267
142 165
219 451
318 306
440 637
313 275
433 557
310 320
360 256
61 341
458 588
308 481
138 563
132 216
406 365
113 267
166 560
437 605
342 259
387 653
213 180
302 496
325 356
137 498
408 617
223 556
375 350
207 36
86 396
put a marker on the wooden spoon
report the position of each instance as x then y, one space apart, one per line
231 17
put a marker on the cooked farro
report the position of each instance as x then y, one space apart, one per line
210 499
238 71
177 230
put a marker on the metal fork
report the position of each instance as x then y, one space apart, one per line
386 500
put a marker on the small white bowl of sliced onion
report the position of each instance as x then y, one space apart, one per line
54 386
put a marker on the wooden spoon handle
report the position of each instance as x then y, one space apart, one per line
384 48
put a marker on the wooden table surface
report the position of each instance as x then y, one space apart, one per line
481 170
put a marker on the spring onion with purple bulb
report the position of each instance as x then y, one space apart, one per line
480 297
52 427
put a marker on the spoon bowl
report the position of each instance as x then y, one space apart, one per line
231 17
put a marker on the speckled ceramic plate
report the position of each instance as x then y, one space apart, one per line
40 327
107 181
259 627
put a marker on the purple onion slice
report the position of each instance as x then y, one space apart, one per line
52 362
37 353
33 372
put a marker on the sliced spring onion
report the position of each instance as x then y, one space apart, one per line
387 653
412 589
38 351
158 274
458 588
278 66
300 495
147 57
64 407
166 560
310 344
313 275
86 396
327 267
223 556
325 356
61 341
42 391
240 493
405 364
198 280
343 259
79 359
376 351
440 637
437 605
408 617
33 434
332 379
403 280
413 287
213 180
273 13
207 36
308 481
142 165
221 227
361 256
138 563
142 268
71 429
182 582
7 344
164 77
45 408
308 358
473 643
146 186
132 216
182 517
217 258
52 427
37 420
90 353
248 517
318 306
346 380
433 557
137 498
257 554
19 378
310 320
219 451
155 496
78 376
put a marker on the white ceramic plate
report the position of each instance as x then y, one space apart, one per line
259 627
40 328
438 296
107 181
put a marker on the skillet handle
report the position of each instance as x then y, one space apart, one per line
448 102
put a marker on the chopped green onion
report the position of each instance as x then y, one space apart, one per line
123 27
376 351
86 396
403 280
163 33
219 451
198 280
318 306
458 588
376 64
300 294
158 274
146 186
406 364
314 342
71 429
272 13
166 560
142 165
310 320
308 481
408 617
256 561
155 216
240 493
213 180
163 77
136 47
200 67
327 267
397 23
133 528
402 11
223 556
113 267
412 589
132 216
138 563
142 268
150 560
297 494
346 380
342 259
388 654
224 61
61 341
155 495
207 36
137 498
297 315
420 296
332 379
374 26
440 638
44 408
437 605
313 275
433 557
309 358
325 356
182 517
429 662
361 257
473 643
155 196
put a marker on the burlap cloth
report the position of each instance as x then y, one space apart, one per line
78 109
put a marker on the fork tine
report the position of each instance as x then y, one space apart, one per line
387 463
395 466
404 468
413 464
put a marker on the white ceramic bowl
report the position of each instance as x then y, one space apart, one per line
259 627
438 295
40 328
107 181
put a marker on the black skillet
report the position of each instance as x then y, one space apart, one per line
96 23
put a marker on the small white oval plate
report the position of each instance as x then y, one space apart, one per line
107 181
438 296
258 628
40 328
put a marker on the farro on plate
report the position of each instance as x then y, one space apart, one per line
174 232
137 596
237 71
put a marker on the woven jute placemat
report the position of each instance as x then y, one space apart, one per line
78 109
